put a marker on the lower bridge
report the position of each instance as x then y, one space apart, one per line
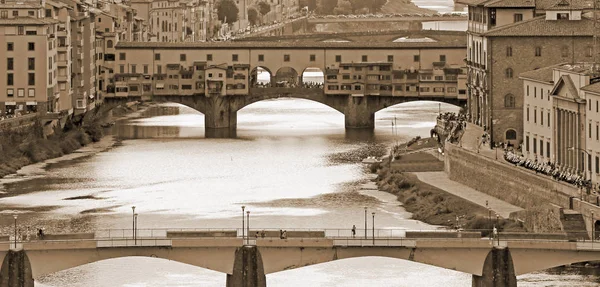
246 260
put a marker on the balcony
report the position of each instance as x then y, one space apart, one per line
61 33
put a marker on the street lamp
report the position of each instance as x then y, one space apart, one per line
248 226
133 222
365 222
497 218
135 228
15 217
243 224
593 226
584 169
373 213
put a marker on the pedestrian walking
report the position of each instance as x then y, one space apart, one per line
262 234
353 231
280 234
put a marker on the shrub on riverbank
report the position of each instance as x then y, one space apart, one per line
27 145
434 206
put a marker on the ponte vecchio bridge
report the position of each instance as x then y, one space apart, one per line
363 73
246 260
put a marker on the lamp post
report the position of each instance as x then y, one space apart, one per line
243 224
593 226
365 222
248 226
15 217
373 213
497 218
133 222
135 228
584 169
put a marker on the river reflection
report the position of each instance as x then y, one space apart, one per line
279 165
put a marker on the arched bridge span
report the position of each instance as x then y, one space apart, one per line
221 111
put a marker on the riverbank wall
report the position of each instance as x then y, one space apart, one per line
543 198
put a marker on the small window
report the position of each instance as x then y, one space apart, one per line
365 58
509 101
338 58
509 51
31 46
122 56
157 57
145 69
564 51
562 16
526 143
286 58
527 114
31 13
589 51
10 46
313 58
209 57
390 58
10 64
182 57
10 80
109 44
442 58
538 51
134 69
508 73
31 64
234 57
597 165
31 79
511 135
416 58
518 17
261 58
31 93
10 93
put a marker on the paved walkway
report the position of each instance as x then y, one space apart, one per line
440 180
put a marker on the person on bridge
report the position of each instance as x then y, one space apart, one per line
262 234
353 231
40 234
495 232
256 235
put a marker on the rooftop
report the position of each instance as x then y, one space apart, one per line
594 88
20 5
27 21
538 4
539 26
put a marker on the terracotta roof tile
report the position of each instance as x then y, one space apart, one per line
594 88
543 74
539 26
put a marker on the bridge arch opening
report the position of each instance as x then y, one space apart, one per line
286 77
313 77
261 77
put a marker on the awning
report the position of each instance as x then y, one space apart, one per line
31 103
10 103
160 85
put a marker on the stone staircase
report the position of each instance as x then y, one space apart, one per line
574 225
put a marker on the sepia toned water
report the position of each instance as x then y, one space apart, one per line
279 166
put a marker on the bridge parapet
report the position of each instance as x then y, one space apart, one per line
207 242
295 242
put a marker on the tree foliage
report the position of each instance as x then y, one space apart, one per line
252 16
343 7
264 8
325 7
227 11
311 4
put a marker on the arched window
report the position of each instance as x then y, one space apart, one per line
509 101
509 73
564 51
109 44
511 134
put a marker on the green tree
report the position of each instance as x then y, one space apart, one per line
264 8
344 7
252 16
325 7
227 11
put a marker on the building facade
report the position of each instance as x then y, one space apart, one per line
506 38
562 117
179 20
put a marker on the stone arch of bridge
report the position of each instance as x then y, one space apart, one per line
216 259
256 74
285 77
377 104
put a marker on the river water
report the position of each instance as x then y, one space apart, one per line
280 166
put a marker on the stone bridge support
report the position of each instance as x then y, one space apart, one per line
498 270
357 113
16 270
248 270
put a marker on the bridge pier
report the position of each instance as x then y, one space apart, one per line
357 114
219 114
16 270
498 270
248 270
